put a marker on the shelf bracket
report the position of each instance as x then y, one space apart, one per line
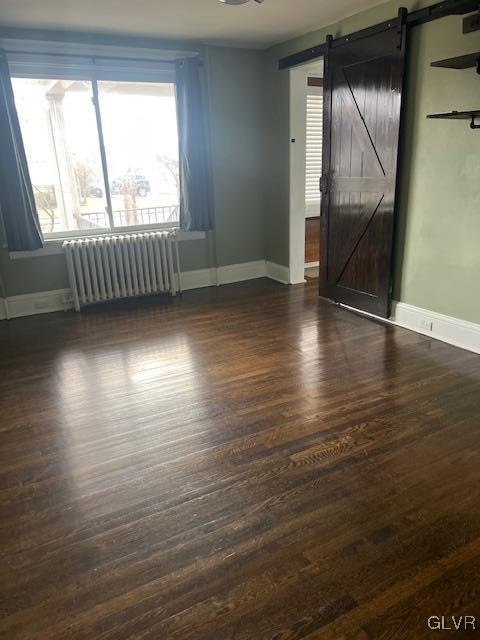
473 125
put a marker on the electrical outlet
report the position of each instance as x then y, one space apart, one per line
426 325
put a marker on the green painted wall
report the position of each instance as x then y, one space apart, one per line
236 117
437 262
437 257
236 98
30 275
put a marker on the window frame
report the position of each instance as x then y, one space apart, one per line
93 70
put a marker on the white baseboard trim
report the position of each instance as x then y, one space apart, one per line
460 333
198 279
31 304
223 275
60 300
278 272
231 273
240 272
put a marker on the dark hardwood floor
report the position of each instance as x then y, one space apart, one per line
248 462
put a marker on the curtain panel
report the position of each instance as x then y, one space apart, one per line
196 190
17 202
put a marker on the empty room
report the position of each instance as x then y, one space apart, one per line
239 319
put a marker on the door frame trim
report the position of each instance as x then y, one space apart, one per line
297 167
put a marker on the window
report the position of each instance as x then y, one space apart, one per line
313 168
102 155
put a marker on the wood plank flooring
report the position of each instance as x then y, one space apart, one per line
247 462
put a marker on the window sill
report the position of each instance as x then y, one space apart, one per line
54 246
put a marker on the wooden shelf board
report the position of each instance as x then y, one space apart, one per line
460 62
455 115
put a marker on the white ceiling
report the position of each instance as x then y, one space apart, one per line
249 25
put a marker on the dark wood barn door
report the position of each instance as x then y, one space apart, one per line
362 101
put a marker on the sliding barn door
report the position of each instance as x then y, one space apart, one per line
363 89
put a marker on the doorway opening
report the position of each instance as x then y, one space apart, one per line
306 139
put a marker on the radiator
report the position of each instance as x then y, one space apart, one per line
113 267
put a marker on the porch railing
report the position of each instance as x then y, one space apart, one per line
130 217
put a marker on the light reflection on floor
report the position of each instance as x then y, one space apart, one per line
141 385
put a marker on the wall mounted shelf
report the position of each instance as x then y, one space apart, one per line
458 115
460 62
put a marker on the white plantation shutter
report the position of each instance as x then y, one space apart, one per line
313 169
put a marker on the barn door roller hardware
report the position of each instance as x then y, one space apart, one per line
414 19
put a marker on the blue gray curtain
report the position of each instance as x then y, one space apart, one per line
196 191
17 203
